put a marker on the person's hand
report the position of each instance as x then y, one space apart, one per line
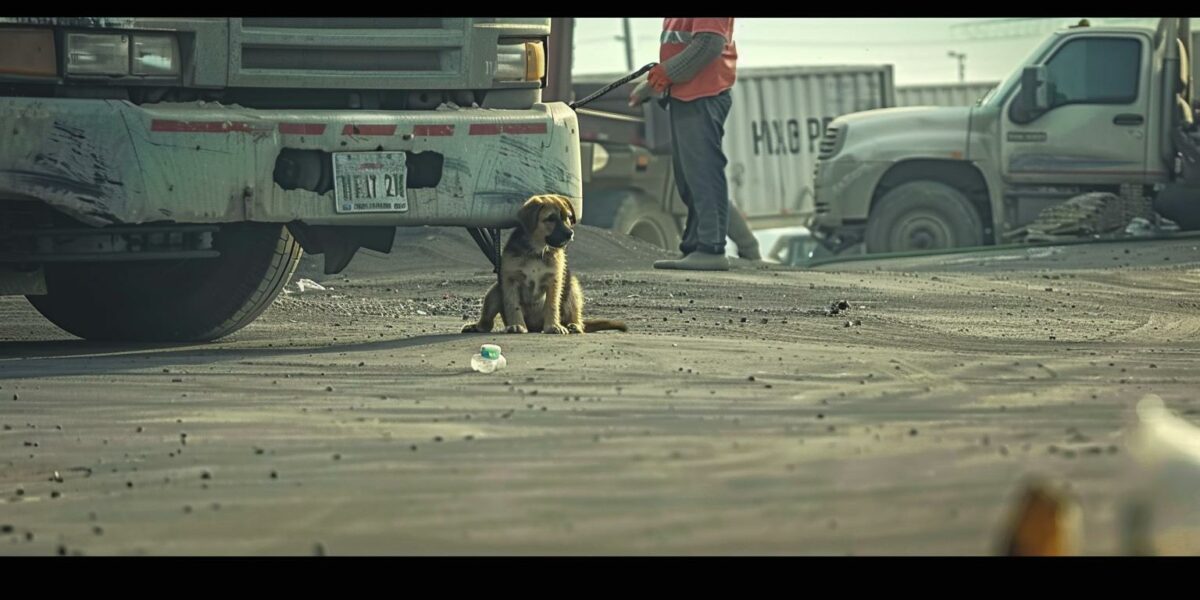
640 94
658 78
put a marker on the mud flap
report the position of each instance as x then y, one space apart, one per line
489 242
339 243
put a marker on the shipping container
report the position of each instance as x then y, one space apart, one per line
943 94
775 123
775 127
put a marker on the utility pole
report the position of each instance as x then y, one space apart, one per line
962 64
628 37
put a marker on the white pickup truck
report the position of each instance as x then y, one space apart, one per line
1091 109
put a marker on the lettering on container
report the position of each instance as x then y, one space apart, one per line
779 136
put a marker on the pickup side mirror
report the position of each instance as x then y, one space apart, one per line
1035 97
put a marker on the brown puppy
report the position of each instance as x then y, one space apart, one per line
536 291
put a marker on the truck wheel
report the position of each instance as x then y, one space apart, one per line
629 214
173 301
1181 204
654 227
923 215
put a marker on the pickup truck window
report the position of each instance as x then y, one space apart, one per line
1096 70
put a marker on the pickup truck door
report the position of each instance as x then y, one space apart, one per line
1096 129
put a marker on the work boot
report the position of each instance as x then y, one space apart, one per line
696 261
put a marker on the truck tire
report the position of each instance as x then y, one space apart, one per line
1181 204
923 215
632 215
173 301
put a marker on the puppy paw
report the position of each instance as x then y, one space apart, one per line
516 329
555 328
575 327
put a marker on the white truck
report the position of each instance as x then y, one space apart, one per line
1091 109
159 176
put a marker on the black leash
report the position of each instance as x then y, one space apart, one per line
612 86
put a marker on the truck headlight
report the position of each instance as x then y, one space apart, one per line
599 158
520 61
155 55
28 52
122 54
97 54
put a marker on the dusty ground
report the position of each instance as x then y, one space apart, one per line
735 417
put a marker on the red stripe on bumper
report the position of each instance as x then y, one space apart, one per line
204 126
369 130
511 128
433 130
302 128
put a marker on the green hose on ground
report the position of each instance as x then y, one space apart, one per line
950 251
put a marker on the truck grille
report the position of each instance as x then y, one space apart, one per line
348 52
831 142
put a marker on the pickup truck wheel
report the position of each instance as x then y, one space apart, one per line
173 301
923 215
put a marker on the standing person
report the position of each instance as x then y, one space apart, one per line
697 67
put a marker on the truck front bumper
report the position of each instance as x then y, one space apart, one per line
842 191
108 162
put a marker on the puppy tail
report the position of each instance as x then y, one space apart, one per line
591 325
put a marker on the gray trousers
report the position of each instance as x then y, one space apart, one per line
697 128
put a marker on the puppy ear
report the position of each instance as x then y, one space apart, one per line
564 206
570 211
528 215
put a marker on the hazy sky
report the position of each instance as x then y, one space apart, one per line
916 47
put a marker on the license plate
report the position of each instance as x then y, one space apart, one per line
370 182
